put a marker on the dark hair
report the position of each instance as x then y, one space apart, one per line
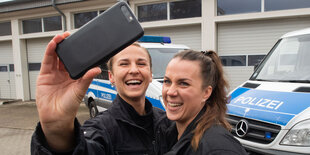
212 75
110 62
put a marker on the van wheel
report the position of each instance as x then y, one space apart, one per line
93 111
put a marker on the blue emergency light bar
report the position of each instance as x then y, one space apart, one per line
155 39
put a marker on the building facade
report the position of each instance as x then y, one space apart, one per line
242 32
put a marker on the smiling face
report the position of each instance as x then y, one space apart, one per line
183 94
131 73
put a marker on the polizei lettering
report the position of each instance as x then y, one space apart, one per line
261 102
106 96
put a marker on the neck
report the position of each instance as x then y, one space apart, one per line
181 127
138 104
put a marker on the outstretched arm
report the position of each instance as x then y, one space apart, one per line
58 97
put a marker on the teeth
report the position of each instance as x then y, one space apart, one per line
133 82
174 104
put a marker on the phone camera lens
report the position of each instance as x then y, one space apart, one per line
126 13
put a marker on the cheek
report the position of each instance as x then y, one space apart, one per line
164 93
164 90
118 78
147 71
190 97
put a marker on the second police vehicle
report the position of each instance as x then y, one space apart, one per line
270 113
100 93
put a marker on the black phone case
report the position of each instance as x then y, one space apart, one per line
99 40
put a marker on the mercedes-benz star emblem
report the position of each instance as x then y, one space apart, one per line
242 128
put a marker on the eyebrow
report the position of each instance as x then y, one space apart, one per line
123 59
126 59
142 59
184 79
166 77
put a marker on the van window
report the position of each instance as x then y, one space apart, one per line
234 60
160 59
287 62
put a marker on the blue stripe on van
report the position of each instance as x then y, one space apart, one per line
156 103
269 106
266 116
105 85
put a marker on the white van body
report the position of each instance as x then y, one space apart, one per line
270 113
100 93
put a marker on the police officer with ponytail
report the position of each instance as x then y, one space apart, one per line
194 93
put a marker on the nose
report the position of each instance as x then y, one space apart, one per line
172 90
133 69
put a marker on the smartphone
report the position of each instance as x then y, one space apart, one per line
99 40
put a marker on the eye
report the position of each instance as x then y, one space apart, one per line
142 64
184 84
166 81
123 64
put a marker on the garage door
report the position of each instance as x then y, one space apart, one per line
7 76
245 39
187 35
35 53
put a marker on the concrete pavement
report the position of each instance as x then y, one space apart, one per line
17 122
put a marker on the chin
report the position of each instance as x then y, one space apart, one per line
172 117
136 95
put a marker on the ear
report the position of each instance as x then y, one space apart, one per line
207 93
151 77
111 77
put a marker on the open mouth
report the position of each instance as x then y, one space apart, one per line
133 82
174 104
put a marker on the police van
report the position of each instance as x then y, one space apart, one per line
101 93
270 113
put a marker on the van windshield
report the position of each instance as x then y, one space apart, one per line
160 60
288 61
